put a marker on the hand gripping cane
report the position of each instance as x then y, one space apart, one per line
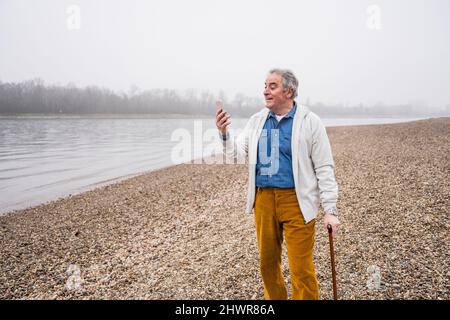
333 271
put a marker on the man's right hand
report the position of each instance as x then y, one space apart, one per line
222 118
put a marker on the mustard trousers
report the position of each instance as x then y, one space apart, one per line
277 213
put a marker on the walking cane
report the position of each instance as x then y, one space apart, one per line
333 271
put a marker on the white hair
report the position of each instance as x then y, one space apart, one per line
289 80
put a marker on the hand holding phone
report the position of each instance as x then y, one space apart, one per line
222 118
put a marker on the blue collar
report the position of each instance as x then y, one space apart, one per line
290 114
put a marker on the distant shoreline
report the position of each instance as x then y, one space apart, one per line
100 116
183 116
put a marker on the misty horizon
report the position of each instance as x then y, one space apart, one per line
364 53
34 96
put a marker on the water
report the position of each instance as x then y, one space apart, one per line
43 158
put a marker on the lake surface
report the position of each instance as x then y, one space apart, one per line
43 158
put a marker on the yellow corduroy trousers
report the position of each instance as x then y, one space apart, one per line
277 213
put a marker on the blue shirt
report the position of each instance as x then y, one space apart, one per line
274 159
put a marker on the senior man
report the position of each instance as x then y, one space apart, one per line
290 167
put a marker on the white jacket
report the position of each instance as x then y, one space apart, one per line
312 160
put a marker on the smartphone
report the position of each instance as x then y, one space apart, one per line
219 105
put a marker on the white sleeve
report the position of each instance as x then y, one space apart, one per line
323 164
237 147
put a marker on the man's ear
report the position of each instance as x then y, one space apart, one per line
290 93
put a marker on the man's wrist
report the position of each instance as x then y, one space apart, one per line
224 136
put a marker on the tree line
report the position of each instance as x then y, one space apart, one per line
34 96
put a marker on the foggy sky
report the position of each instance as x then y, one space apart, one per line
231 45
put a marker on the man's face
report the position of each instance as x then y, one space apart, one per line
274 92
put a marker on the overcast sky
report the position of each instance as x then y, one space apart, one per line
347 51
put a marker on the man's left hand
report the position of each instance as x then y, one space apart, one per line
329 219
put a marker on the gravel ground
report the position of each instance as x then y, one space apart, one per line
180 232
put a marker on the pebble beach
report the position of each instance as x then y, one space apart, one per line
181 232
